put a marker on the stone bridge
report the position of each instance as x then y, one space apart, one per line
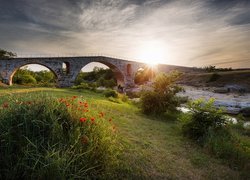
124 70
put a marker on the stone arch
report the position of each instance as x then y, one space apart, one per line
12 73
119 75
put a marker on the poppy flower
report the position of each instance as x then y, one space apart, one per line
83 119
92 119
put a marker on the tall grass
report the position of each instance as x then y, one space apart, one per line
55 139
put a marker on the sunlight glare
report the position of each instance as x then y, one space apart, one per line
152 53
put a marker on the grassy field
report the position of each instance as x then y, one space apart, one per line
151 148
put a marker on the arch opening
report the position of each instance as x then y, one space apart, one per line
66 68
100 74
33 75
144 75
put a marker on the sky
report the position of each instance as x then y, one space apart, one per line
193 33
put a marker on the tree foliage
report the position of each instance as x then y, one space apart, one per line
25 76
6 54
163 96
99 76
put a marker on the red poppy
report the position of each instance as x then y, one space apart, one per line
92 119
74 97
83 119
86 105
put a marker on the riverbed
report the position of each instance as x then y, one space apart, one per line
232 102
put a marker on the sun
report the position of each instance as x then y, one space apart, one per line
152 53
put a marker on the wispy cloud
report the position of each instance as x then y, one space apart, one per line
193 32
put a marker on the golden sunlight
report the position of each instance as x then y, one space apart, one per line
152 53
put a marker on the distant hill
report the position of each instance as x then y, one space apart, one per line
240 78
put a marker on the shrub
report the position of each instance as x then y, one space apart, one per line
214 77
25 79
204 117
208 126
110 93
54 139
162 98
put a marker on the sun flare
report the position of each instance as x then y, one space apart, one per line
152 53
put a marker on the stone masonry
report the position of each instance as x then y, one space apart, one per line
124 70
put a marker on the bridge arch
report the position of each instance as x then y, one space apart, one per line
119 75
14 70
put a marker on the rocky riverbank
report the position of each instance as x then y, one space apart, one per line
232 102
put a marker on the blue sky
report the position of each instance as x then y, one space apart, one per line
180 32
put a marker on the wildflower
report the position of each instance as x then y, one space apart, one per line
101 114
86 105
114 128
61 100
67 105
29 103
74 97
92 119
83 119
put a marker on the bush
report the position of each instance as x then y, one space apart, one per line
204 117
152 103
162 98
110 93
25 79
208 126
53 139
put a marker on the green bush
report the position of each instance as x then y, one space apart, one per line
25 79
209 127
110 93
47 138
204 117
152 103
162 98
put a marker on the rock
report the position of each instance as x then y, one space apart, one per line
221 90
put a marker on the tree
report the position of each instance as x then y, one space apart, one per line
6 54
163 97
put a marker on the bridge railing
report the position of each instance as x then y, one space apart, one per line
20 55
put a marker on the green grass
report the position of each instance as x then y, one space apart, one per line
151 148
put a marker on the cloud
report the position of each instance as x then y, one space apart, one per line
193 32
